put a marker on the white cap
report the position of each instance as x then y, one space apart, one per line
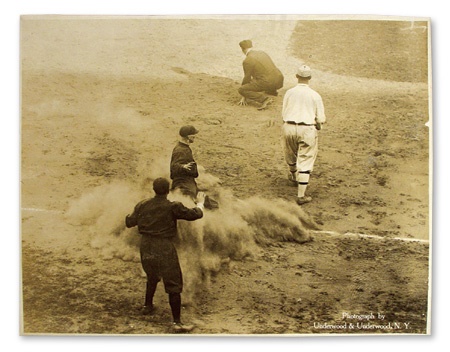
304 71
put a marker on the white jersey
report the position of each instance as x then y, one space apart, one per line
302 104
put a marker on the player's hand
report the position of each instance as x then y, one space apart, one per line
188 166
243 102
201 197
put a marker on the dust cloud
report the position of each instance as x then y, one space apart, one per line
236 231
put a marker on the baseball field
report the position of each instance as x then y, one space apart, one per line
102 100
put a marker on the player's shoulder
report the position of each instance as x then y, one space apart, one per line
177 146
316 93
180 148
143 202
293 89
176 204
313 91
254 54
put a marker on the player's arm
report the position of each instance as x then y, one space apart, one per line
320 111
182 212
248 71
131 219
181 167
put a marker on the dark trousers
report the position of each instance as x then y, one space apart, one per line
256 90
159 260
174 300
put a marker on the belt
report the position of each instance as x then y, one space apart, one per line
299 123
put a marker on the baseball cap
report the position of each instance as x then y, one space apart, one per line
304 71
188 130
245 44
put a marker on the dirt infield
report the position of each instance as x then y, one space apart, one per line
102 102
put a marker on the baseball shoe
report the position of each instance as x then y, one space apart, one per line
303 200
148 310
180 327
211 203
292 179
265 103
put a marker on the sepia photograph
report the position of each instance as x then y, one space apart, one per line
225 175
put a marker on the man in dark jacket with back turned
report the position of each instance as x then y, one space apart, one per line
156 219
261 76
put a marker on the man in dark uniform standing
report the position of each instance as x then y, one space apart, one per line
156 219
261 76
183 168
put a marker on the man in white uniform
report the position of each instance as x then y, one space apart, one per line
303 115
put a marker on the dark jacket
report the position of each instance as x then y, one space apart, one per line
260 67
182 178
158 216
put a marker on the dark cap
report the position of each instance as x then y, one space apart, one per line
161 186
188 130
246 44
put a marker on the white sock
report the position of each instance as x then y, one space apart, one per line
303 179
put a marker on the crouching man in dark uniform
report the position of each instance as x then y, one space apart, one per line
156 219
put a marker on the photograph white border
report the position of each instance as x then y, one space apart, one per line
11 149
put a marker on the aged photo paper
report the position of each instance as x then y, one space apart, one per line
103 103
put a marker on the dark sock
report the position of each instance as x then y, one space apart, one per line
151 288
175 305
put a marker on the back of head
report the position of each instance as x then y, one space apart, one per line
304 72
246 44
161 186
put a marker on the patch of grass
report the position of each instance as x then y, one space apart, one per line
386 50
